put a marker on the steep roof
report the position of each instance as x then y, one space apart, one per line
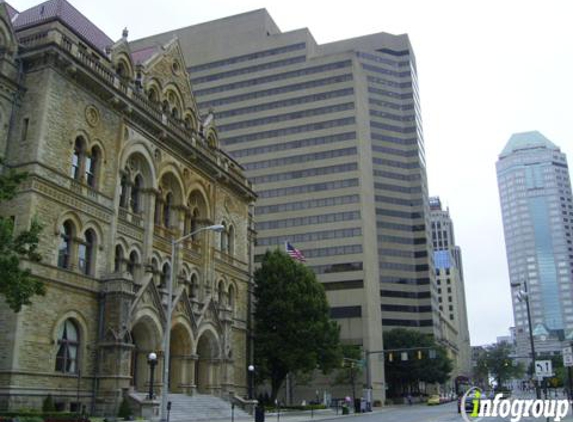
527 140
11 11
69 15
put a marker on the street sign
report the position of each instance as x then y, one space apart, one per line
543 368
568 356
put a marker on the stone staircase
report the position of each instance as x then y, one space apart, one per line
201 407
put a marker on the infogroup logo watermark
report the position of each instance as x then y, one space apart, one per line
516 409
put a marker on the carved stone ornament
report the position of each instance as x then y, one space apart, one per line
92 115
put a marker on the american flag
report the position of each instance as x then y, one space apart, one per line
294 253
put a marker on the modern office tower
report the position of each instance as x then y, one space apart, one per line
331 137
451 290
537 209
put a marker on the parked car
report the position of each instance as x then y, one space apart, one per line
433 399
469 404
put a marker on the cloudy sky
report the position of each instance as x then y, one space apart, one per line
486 68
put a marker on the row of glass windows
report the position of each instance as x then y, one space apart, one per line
409 281
400 141
402 227
249 69
389 104
328 124
391 116
303 158
303 205
248 57
276 77
389 322
309 220
383 71
384 126
405 294
403 267
340 312
378 59
287 116
397 176
386 82
405 308
395 188
332 251
85 163
390 94
393 151
309 237
337 268
303 143
400 214
398 164
75 250
317 171
402 240
316 187
286 103
402 253
302 86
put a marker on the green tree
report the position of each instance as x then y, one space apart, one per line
293 330
497 362
17 285
429 364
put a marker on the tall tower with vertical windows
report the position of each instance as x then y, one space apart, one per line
537 209
331 137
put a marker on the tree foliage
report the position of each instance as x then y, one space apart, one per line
17 285
293 331
497 363
421 365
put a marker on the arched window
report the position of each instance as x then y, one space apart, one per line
231 240
152 95
224 238
132 263
118 259
136 194
194 291
86 252
165 106
165 274
175 113
77 158
158 208
124 189
194 223
231 297
65 247
167 206
92 163
221 293
68 346
155 269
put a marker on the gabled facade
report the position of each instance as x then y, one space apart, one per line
120 163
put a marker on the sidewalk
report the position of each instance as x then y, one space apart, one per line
301 416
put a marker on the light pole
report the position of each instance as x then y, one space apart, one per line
167 334
251 369
523 296
152 361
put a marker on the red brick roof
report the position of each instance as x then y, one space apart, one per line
69 15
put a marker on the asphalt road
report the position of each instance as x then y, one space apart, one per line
423 413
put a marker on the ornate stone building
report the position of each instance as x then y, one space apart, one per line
120 163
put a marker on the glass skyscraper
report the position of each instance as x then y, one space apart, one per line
537 209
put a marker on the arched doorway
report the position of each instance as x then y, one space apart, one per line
207 368
180 348
146 339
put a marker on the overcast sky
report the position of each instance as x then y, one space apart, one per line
486 69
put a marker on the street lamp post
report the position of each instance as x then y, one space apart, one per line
523 296
167 334
251 369
152 361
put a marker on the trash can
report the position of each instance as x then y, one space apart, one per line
260 414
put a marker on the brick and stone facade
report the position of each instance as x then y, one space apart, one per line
120 163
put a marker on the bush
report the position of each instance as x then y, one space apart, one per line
48 404
124 410
31 419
